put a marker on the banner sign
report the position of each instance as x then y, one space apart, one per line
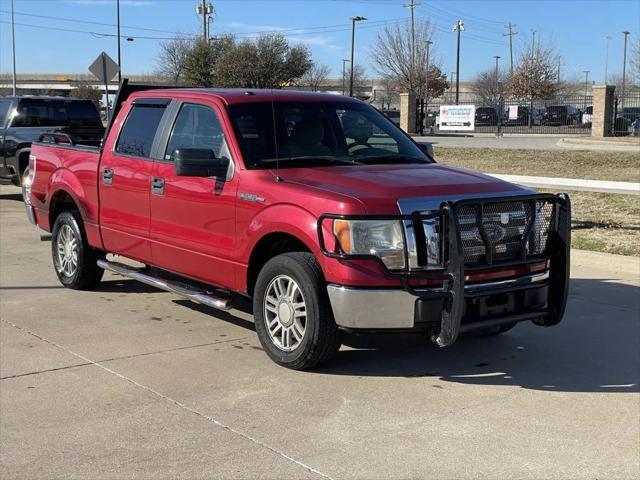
513 112
457 117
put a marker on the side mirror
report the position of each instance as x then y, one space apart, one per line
199 162
427 149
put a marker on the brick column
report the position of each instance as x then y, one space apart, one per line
602 110
408 112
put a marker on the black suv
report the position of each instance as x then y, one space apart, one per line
486 116
557 115
24 119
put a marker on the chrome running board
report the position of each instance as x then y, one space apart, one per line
184 290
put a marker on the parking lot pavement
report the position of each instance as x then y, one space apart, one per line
130 382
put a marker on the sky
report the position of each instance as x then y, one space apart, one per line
65 36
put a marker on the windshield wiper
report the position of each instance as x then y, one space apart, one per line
391 158
310 160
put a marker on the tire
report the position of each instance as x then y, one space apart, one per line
69 245
298 276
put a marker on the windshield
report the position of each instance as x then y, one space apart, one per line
307 134
54 113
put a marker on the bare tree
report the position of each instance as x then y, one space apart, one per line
488 87
535 76
171 61
634 62
315 77
360 80
390 92
392 58
86 91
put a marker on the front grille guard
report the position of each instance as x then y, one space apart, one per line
557 252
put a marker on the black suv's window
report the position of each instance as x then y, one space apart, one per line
197 126
136 137
56 113
4 111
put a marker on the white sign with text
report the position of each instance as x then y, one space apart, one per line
457 117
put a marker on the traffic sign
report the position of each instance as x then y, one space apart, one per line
104 68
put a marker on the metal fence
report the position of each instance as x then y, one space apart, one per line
626 114
561 115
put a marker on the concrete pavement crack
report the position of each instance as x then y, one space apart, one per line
125 357
177 403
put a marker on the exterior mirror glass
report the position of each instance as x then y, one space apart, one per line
199 162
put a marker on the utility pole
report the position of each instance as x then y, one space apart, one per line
118 27
458 27
13 41
606 58
344 74
497 57
205 10
353 42
624 64
533 43
510 34
586 81
412 36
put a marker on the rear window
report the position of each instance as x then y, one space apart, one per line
139 130
485 110
4 111
48 113
557 109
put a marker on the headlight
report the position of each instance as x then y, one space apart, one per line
382 239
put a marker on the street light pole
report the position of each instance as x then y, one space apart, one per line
13 41
586 81
497 57
458 27
426 80
353 41
533 43
624 64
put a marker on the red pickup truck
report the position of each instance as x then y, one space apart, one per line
315 206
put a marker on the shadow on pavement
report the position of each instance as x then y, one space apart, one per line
594 349
11 196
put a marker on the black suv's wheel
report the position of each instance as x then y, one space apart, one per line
75 262
292 313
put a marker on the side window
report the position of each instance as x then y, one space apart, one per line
197 126
139 130
31 114
4 111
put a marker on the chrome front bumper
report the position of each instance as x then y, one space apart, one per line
380 309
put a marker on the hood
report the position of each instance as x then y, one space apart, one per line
380 187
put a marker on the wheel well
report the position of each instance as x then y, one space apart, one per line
61 202
23 162
268 247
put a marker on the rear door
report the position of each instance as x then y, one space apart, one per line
192 218
125 180
5 107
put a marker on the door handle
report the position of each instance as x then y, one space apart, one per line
157 186
107 176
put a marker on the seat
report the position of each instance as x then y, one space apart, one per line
306 139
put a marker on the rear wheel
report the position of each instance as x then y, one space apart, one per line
75 262
293 317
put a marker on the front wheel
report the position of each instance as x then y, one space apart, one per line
293 317
74 260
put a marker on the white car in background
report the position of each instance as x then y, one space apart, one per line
587 115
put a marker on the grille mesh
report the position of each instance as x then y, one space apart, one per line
504 225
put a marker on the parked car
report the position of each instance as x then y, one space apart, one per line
587 116
631 113
325 227
523 117
24 119
486 116
556 115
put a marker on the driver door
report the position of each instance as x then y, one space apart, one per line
193 218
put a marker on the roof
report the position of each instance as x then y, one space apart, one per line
56 98
232 96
